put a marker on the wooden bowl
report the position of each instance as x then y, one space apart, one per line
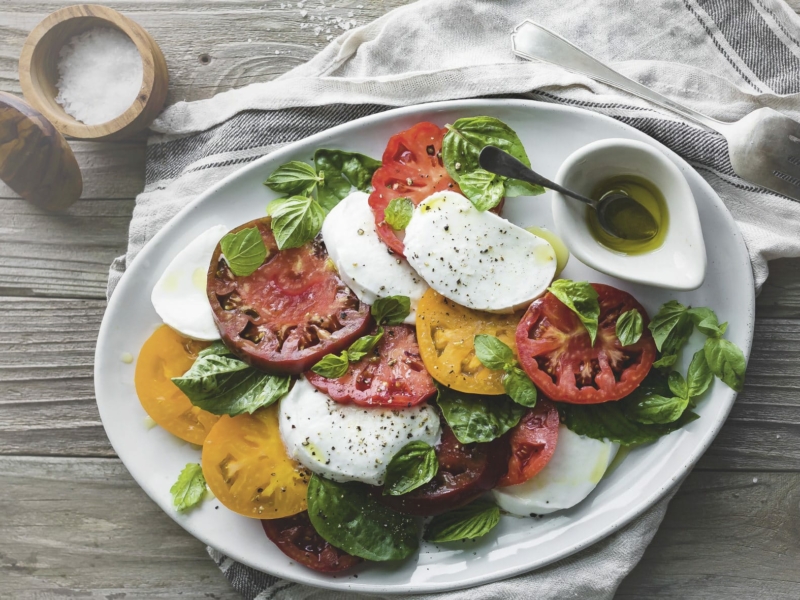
38 71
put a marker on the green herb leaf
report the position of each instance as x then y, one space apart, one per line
581 298
332 366
484 189
413 466
629 327
519 387
295 220
349 517
478 418
244 251
340 172
293 178
515 187
398 213
677 385
493 353
217 348
466 523
706 321
726 361
699 376
364 345
189 489
223 385
670 318
391 310
666 361
657 409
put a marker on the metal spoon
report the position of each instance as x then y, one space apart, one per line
610 207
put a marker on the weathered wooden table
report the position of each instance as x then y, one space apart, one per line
72 521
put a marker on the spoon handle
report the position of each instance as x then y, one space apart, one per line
495 160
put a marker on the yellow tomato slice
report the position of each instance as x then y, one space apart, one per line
167 354
246 467
445 333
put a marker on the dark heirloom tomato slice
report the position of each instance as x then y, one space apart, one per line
412 168
296 537
391 375
533 441
465 472
290 312
556 352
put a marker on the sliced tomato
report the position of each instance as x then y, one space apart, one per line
391 375
533 441
296 537
465 472
289 313
557 353
412 168
446 330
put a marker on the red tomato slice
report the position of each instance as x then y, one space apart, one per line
412 168
556 352
533 442
290 312
296 537
391 375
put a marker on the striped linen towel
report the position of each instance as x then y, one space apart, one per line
721 57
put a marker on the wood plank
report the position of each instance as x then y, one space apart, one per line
780 296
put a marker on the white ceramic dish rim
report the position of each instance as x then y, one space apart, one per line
463 580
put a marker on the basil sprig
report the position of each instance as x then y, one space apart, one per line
461 148
391 310
629 327
398 213
340 172
466 523
223 385
477 418
581 298
190 488
414 465
334 366
296 220
495 354
244 251
347 516
294 178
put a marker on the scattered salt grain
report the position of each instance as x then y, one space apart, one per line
755 479
99 75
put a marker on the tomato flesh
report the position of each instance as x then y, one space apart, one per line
296 537
533 442
391 375
412 168
290 312
556 352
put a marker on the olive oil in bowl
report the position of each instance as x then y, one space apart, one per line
647 195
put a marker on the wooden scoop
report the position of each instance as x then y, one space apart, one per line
35 159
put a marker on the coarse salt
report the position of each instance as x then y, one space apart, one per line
99 75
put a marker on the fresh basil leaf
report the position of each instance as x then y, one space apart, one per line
699 376
581 298
349 517
658 409
519 387
244 251
706 321
726 361
666 361
295 220
217 348
677 385
391 310
364 345
629 327
293 178
189 489
340 172
398 213
611 421
493 352
669 317
484 189
413 466
478 418
515 187
223 385
332 366
466 523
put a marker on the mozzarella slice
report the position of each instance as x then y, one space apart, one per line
364 262
345 442
575 469
477 259
179 296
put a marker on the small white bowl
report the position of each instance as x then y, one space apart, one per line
680 262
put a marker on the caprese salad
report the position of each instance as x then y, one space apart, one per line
383 348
